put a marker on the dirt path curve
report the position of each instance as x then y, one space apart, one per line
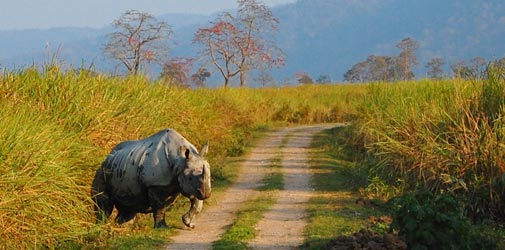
282 227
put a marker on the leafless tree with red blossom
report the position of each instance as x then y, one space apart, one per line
139 38
235 45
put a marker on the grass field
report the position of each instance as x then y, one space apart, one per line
56 127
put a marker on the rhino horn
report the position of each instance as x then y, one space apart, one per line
205 149
206 185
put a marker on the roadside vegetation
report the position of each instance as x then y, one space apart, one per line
436 147
333 210
444 136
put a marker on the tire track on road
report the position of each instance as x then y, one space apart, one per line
282 227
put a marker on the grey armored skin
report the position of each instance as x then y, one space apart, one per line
146 176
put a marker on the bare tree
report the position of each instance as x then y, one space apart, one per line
219 45
257 49
139 38
265 78
238 44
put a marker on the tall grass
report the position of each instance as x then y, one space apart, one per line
56 127
446 136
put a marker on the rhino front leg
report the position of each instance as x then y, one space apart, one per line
124 216
160 198
196 208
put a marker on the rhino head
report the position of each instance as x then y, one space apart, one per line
195 178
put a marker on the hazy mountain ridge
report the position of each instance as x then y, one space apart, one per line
321 37
453 30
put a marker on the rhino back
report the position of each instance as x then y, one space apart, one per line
153 161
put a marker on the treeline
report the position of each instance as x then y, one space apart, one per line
379 68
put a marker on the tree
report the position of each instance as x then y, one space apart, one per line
380 68
478 66
220 46
461 70
303 77
176 71
265 78
235 45
139 38
435 68
374 68
357 73
323 79
386 68
257 49
407 58
200 77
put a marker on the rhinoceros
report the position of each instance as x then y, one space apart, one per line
146 176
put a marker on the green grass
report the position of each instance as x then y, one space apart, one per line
333 210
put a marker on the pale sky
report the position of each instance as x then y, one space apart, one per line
43 14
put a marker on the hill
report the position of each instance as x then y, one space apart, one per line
320 37
329 36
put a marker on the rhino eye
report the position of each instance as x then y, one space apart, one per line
190 178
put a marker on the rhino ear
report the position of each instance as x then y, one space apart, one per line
185 152
205 149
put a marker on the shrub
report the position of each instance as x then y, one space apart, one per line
435 222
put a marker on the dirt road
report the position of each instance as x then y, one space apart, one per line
282 226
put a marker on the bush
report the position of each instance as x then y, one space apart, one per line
435 222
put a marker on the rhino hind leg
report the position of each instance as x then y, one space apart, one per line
103 205
159 218
195 209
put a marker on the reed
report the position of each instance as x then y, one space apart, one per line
445 136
